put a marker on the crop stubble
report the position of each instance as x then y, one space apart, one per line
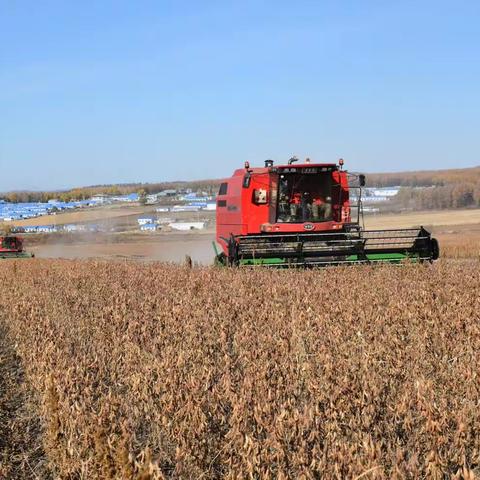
157 371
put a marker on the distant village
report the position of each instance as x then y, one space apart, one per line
373 198
166 201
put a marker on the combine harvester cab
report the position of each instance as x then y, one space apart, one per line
12 247
301 215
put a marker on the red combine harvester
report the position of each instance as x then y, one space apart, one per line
12 247
306 214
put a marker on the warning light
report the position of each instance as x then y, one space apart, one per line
247 165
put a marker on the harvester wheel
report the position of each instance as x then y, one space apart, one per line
435 249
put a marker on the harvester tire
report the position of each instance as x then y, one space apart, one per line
435 249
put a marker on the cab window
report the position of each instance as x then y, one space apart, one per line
223 189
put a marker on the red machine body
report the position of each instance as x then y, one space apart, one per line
11 246
299 214
292 198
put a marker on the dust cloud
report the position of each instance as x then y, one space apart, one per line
165 248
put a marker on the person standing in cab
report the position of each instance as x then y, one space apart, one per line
295 203
318 203
306 206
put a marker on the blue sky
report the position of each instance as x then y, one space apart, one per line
119 91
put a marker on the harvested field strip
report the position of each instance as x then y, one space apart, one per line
154 371
425 218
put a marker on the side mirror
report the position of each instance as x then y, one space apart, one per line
246 180
361 179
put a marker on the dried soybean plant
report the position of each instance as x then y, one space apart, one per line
154 371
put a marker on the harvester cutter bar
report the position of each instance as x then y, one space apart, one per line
356 246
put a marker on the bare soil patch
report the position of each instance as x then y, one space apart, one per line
165 248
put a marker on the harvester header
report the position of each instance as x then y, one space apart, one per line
11 246
305 213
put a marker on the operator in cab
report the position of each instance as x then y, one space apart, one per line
295 204
321 208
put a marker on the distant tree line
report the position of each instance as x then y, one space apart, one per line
425 178
425 190
64 196
458 195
